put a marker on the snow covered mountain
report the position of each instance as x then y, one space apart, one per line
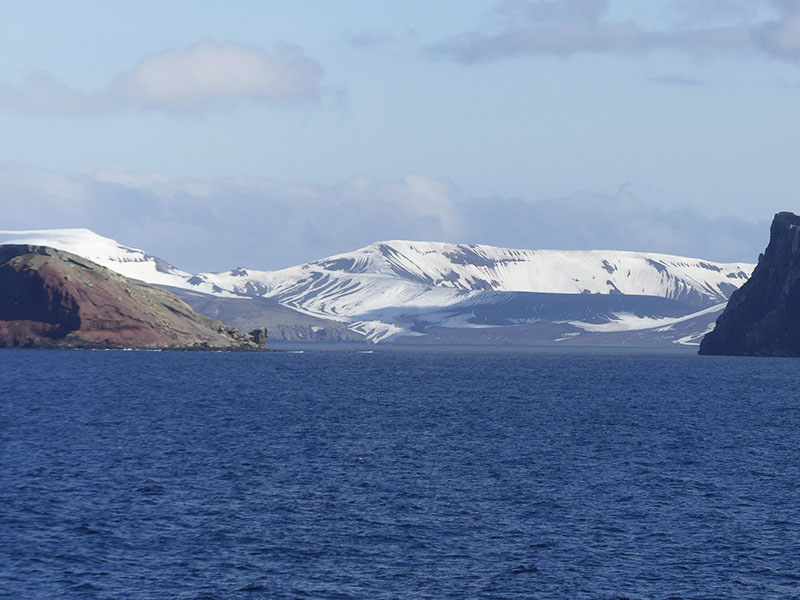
129 262
394 288
399 288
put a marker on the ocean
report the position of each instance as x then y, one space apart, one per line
398 474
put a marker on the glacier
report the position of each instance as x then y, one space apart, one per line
394 289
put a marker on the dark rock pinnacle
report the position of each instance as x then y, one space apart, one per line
762 318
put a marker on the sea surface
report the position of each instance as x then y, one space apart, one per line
398 474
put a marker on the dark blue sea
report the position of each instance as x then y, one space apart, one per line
398 474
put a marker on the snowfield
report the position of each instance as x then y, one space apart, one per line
631 322
384 289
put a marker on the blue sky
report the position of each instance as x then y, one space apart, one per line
412 120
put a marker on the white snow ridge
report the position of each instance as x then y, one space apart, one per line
394 288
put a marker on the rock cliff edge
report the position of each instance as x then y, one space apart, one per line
762 318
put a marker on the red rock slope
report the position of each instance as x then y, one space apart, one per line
51 298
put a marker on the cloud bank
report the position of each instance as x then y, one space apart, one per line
568 27
263 224
205 75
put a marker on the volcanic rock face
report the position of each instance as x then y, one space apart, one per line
51 298
259 336
763 317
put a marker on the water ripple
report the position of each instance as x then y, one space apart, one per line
397 474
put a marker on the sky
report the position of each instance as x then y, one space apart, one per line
268 133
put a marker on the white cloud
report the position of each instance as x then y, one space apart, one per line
547 27
266 224
782 37
205 75
40 93
208 74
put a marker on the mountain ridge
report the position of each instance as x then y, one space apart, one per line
56 299
391 288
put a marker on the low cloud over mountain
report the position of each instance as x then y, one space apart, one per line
264 224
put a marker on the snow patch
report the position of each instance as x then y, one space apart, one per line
567 336
695 338
631 322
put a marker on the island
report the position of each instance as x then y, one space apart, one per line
55 299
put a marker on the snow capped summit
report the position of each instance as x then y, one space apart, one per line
470 268
388 288
400 286
130 262
479 267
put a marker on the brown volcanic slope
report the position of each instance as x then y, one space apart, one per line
51 298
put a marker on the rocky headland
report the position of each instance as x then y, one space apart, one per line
762 318
55 299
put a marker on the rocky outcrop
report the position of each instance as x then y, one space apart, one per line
284 323
762 318
259 336
51 298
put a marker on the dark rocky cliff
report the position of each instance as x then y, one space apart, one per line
51 298
763 317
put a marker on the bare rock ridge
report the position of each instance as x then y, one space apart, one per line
762 318
51 298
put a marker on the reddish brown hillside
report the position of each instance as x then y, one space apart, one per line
52 298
